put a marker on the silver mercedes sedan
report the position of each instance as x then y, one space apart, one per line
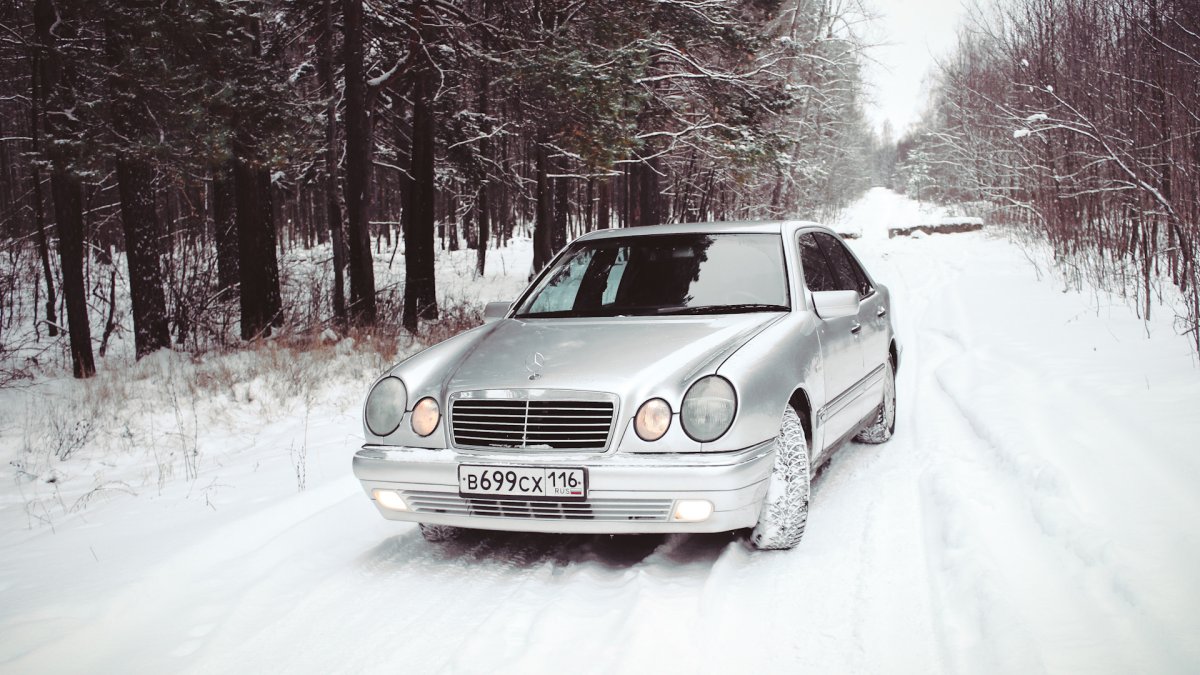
674 378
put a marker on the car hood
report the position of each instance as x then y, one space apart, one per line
603 354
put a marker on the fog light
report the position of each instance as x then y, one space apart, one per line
693 510
390 499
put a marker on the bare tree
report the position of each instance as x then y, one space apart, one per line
1080 119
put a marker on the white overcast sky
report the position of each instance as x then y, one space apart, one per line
914 33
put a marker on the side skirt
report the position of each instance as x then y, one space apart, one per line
843 440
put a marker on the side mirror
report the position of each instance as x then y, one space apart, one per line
494 311
835 304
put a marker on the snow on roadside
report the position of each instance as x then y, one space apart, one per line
138 427
1056 442
1032 513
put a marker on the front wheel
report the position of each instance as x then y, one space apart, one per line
439 533
785 510
884 425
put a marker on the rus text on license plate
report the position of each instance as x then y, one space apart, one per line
525 482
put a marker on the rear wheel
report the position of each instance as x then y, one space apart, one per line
884 424
785 510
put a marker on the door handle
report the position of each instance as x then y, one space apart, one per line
882 312
856 328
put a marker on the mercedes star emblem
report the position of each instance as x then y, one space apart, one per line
534 363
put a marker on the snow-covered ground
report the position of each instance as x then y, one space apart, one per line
1034 512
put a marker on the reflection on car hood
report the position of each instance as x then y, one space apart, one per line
603 354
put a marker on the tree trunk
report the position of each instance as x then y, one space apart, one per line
589 201
266 255
67 191
482 208
558 237
644 185
225 231
452 216
258 266
362 272
603 202
543 248
135 186
333 209
484 228
403 144
624 197
420 297
250 238
65 186
39 211
143 248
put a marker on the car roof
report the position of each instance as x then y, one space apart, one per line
729 227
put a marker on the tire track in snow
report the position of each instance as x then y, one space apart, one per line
1101 584
937 275
978 627
1039 493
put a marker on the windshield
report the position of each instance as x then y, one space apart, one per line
664 274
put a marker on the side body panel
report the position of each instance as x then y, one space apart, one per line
842 357
876 336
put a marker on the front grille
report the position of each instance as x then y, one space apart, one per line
507 423
607 510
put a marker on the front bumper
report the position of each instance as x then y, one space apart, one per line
627 493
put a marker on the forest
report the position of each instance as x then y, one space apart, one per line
188 150
1080 121
201 174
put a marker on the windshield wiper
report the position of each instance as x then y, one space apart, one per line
588 313
612 311
556 314
742 308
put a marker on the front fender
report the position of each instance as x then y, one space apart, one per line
765 373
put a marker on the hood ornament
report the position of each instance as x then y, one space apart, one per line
535 363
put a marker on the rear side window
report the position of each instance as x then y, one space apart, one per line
817 274
849 273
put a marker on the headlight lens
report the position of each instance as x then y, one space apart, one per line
653 419
708 408
385 406
425 416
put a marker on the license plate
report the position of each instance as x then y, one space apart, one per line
526 482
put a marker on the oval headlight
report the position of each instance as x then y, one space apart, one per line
708 408
425 416
385 406
652 420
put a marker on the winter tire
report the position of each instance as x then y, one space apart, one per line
785 509
884 424
438 533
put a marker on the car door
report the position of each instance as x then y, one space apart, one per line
841 350
872 318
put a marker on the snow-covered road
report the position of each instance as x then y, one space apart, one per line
1035 512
